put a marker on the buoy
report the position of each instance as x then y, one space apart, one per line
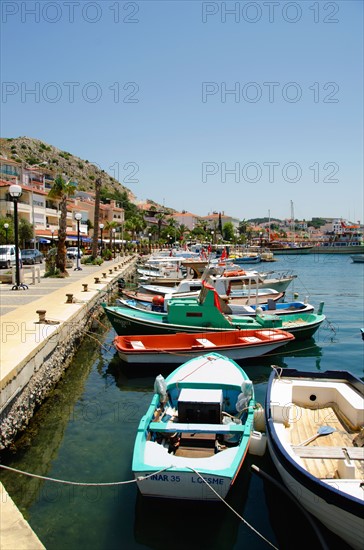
258 443
259 418
295 295
158 300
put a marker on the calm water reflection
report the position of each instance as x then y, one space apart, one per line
85 432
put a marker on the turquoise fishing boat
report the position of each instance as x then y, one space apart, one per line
194 437
206 313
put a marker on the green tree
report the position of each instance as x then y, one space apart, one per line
9 232
61 191
25 232
228 231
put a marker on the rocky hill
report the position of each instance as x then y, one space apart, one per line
33 152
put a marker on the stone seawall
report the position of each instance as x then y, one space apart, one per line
54 345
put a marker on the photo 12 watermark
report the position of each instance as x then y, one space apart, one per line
69 92
270 12
269 171
28 12
269 92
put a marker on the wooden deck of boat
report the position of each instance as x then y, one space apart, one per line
308 422
196 445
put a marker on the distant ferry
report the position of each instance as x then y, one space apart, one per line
345 239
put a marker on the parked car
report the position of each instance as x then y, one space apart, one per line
7 255
72 252
31 256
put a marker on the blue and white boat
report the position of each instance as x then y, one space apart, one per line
314 423
193 439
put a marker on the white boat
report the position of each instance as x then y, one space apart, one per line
314 423
229 282
194 437
357 258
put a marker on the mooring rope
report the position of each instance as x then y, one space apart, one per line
79 483
232 509
139 478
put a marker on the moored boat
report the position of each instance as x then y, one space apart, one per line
195 435
206 313
314 423
236 306
172 348
357 258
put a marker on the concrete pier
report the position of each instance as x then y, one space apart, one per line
15 532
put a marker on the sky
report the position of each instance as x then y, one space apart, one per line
242 107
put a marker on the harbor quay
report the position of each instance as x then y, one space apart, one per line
40 330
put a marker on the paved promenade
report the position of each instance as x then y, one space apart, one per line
20 337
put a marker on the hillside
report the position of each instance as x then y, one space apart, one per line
32 152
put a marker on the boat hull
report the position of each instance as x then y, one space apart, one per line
358 259
182 485
169 356
291 250
134 325
349 249
335 501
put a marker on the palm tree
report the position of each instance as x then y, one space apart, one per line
183 229
109 227
95 238
134 225
160 217
61 191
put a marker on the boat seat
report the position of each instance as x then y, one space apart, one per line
250 340
172 427
354 453
271 335
205 343
137 344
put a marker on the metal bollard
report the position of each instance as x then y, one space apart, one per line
41 313
85 287
97 280
69 298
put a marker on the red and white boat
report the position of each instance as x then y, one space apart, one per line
178 347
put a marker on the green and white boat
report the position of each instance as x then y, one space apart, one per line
193 439
207 313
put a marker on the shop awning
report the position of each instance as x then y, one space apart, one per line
82 239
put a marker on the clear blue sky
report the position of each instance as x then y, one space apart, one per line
140 89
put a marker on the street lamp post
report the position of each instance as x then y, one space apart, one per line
212 236
101 226
6 227
52 243
113 232
15 192
150 242
168 237
78 217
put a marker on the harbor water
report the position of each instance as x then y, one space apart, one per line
85 432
